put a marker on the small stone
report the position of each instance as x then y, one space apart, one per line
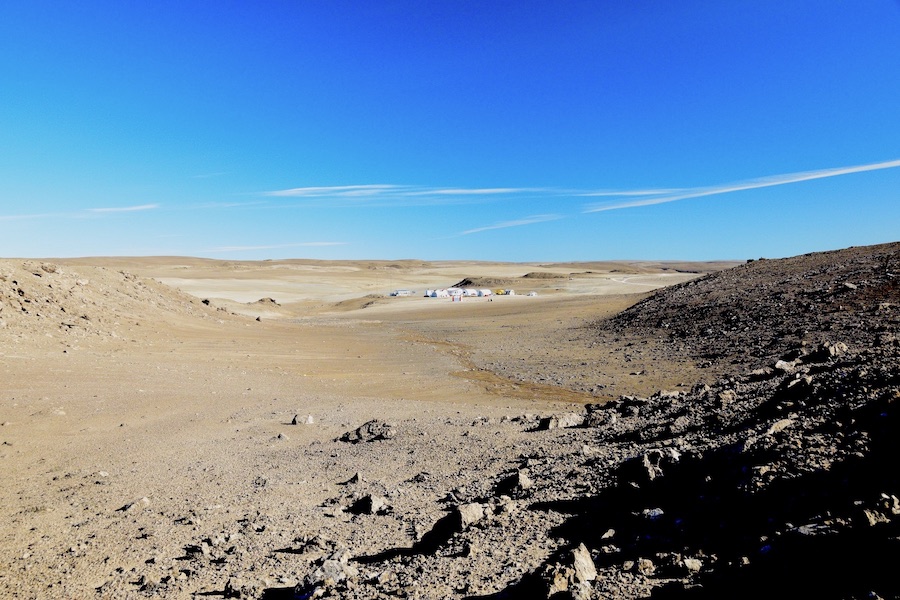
726 397
873 517
785 366
645 567
469 514
136 505
524 481
236 587
763 373
652 514
330 572
779 426
693 565
585 570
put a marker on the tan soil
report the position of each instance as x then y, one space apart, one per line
120 384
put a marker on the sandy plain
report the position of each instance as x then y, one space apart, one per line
148 404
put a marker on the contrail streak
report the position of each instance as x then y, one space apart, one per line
750 184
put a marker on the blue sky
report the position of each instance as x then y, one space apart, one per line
490 130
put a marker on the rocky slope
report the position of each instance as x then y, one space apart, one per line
42 301
774 479
748 314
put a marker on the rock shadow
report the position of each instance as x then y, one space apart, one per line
441 533
831 532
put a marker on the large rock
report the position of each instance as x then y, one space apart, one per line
572 577
369 432
562 421
469 514
370 505
649 466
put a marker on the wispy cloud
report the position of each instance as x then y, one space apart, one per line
469 191
117 209
337 191
626 193
274 246
515 223
77 214
30 216
750 184
395 195
401 195
213 205
411 191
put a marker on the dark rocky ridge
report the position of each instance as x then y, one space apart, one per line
748 314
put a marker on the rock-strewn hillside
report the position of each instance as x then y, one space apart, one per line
750 313
41 300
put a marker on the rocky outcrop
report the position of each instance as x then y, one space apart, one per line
370 431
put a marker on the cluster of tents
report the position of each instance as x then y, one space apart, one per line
457 292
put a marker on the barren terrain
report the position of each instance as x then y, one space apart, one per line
181 428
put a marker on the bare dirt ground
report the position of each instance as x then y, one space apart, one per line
118 388
184 428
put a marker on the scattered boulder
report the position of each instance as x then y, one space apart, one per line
370 432
370 505
825 352
572 577
329 576
468 514
515 485
648 466
562 421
